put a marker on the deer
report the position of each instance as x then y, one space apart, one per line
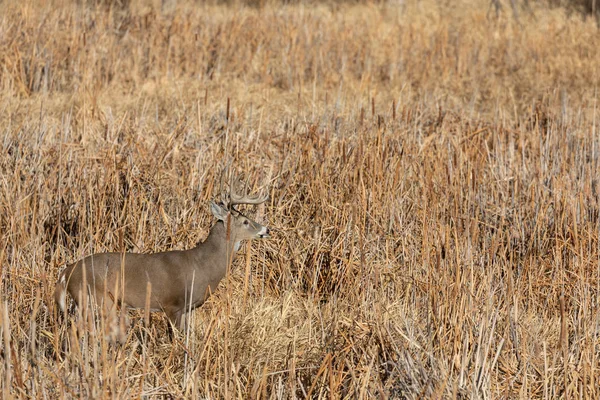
174 282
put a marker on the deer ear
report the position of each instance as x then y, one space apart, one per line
218 211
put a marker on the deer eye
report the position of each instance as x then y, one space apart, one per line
246 222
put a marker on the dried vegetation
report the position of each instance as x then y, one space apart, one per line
433 173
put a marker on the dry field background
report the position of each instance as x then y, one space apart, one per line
433 172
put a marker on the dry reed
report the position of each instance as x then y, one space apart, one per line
434 196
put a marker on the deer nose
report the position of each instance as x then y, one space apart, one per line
265 233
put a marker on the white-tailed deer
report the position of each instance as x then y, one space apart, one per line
172 281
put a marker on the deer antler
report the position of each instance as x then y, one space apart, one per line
236 198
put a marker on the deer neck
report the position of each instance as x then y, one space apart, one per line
219 243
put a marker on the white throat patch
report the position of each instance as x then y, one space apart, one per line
237 245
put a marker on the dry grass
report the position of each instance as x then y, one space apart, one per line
433 175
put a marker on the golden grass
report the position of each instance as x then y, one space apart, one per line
434 196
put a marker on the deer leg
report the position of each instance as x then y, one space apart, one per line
174 317
117 319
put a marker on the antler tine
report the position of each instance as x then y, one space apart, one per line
235 198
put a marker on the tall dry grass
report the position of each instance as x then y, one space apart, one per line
434 196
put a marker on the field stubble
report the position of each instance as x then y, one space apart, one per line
433 181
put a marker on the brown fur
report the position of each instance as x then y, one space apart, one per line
179 280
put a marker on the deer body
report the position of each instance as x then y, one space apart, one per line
171 281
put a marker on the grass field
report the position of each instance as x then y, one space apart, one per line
433 173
